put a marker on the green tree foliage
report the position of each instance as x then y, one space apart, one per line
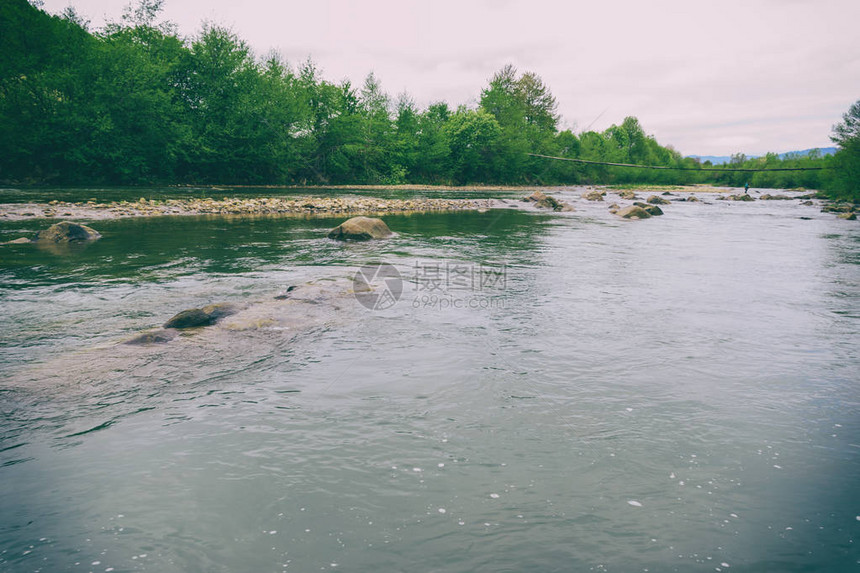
474 138
526 112
134 103
845 183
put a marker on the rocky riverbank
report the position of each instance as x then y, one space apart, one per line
305 206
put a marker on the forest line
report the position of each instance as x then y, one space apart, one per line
136 104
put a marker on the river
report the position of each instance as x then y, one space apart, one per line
544 392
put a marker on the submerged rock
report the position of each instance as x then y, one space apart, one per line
67 232
19 241
768 197
743 197
633 212
654 200
847 216
838 208
285 294
159 336
807 203
196 317
360 229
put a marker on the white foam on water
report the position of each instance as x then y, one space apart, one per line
416 469
440 464
724 564
634 503
494 495
442 510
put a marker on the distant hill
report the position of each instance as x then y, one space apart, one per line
721 159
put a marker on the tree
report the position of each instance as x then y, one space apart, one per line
848 129
432 164
473 137
845 182
526 113
377 132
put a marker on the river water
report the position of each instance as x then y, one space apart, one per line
550 392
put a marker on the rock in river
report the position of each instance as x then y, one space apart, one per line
654 200
541 199
360 229
594 195
66 232
159 336
633 212
652 210
195 317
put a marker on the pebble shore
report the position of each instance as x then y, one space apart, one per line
92 210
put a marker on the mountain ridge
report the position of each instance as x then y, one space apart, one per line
723 159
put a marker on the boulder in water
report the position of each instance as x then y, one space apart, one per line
655 200
633 212
360 229
196 317
652 210
594 195
628 194
542 200
847 216
67 232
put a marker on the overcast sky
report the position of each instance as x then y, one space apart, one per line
708 78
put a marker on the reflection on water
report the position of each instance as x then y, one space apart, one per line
671 394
